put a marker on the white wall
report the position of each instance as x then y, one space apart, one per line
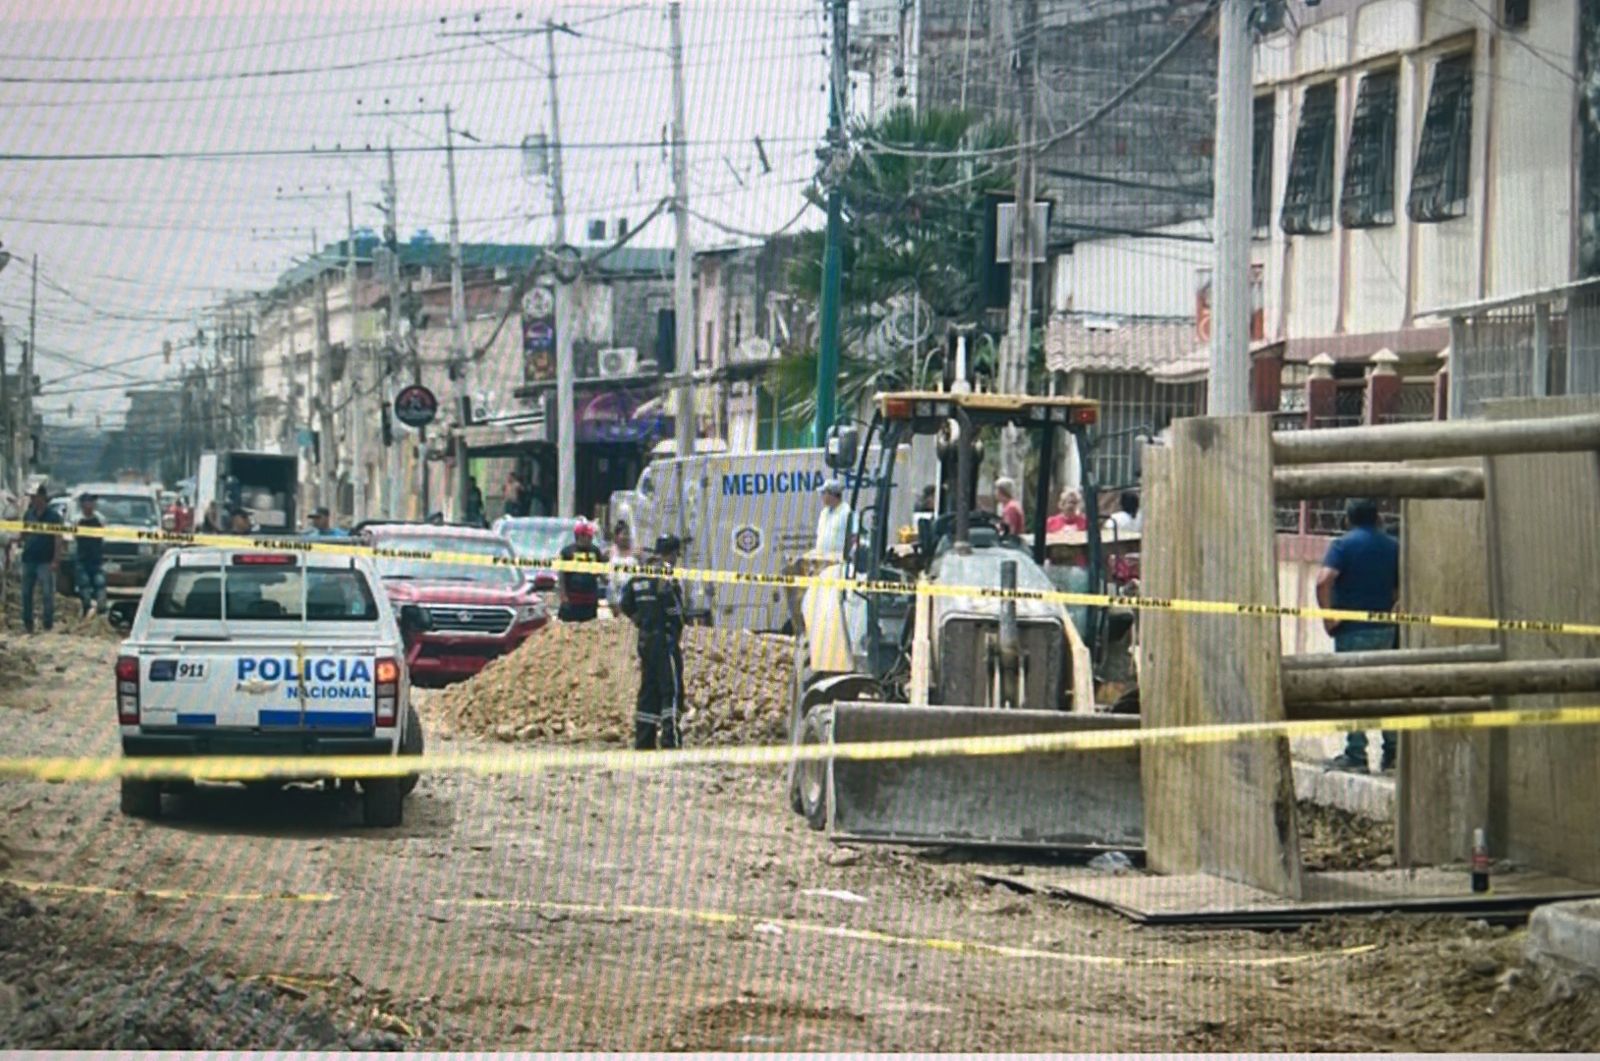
1518 232
1133 276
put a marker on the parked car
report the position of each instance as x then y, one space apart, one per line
128 563
538 540
476 612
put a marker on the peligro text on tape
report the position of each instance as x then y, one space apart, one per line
783 581
545 760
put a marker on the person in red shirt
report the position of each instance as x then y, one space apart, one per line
1005 496
1070 517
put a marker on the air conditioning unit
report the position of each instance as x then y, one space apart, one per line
618 361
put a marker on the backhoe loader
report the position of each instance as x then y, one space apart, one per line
879 661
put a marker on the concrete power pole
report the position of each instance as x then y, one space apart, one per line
683 256
833 248
1229 392
354 373
566 424
458 327
396 341
327 448
1013 374
29 355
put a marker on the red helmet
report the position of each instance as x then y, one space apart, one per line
584 529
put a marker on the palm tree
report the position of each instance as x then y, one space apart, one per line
912 227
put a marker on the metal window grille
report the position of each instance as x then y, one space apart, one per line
1131 401
1367 198
1261 168
1308 197
1439 183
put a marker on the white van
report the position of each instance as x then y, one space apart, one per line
749 513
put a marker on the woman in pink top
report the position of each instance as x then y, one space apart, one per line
1070 517
1005 495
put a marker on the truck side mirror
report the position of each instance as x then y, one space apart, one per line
415 619
842 446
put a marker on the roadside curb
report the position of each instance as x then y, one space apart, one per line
1361 794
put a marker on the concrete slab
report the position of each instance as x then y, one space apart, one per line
1369 795
1565 938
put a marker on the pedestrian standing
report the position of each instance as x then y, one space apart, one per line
474 514
516 495
622 555
39 559
1361 572
1126 521
90 568
1005 496
580 590
654 602
1070 517
833 522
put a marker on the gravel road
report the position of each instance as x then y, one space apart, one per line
681 910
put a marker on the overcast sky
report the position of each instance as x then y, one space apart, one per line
131 251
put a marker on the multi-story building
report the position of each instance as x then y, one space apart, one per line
1423 161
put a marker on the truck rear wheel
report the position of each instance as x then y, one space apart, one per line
411 744
141 799
382 802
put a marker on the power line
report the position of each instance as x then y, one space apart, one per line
211 50
366 150
237 75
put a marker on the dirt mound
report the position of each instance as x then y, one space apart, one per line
66 984
577 683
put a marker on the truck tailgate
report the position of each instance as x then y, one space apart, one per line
259 687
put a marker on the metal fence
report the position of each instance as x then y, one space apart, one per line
1494 357
1131 401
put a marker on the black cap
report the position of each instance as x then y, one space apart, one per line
668 545
87 497
322 511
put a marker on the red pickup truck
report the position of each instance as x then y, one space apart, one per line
474 612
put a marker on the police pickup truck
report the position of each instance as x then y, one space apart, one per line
258 653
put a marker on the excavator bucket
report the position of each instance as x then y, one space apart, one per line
1069 800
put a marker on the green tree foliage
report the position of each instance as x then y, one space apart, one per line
912 225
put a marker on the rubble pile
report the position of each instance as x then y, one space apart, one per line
577 683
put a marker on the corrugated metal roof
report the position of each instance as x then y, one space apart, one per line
1153 347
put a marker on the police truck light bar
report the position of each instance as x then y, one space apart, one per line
264 559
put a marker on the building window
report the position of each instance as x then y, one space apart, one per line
1308 197
1367 198
1514 14
1439 184
1261 168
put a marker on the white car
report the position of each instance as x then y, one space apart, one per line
236 652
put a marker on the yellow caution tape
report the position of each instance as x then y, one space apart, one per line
717 918
334 547
544 760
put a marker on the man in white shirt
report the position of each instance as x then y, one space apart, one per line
833 522
1127 520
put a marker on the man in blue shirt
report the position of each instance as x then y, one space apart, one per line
322 524
38 560
1361 572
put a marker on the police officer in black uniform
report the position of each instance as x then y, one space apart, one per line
655 604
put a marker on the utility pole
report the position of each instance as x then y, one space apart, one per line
566 424
29 354
458 327
396 340
683 256
327 446
1229 392
7 471
354 373
1019 316
833 250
